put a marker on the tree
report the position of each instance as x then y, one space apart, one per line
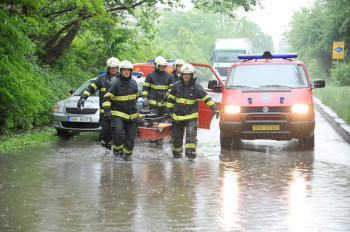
58 23
314 30
191 35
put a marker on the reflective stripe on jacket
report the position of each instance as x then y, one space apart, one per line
155 87
121 98
101 84
183 100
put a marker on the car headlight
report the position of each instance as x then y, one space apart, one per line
58 109
300 108
232 109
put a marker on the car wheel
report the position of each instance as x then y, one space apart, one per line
307 143
62 133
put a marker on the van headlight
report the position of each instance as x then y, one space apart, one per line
58 109
232 109
300 108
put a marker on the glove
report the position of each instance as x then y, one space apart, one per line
216 113
80 104
108 116
167 113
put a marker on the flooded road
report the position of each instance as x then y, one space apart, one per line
73 185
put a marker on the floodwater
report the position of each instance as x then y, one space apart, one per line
72 185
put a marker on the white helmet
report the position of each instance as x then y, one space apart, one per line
178 62
125 64
112 62
187 68
160 61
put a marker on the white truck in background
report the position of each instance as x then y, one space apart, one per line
226 51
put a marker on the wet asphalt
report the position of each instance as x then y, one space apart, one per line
74 185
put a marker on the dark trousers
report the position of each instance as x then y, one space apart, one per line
106 131
124 134
178 129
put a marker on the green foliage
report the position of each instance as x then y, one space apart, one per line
314 30
340 74
49 47
191 35
32 137
337 99
23 93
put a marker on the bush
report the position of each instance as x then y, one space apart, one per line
341 74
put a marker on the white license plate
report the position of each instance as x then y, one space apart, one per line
265 127
79 119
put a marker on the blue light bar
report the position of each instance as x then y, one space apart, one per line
273 56
138 74
101 72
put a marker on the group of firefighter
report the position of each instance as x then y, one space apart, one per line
174 95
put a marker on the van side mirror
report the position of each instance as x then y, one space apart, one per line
319 84
70 92
214 85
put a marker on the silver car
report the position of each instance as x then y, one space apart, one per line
67 117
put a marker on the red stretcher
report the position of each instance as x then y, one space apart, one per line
152 128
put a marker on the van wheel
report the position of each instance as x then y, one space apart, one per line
236 143
307 143
225 141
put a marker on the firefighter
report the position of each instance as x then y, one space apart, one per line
101 84
120 108
155 88
177 68
182 105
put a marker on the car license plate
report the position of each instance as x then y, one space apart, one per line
265 127
79 119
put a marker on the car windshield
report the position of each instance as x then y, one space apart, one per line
226 56
83 87
267 76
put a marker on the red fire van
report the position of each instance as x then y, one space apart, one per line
265 96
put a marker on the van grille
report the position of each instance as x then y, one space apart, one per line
80 125
270 109
222 70
83 111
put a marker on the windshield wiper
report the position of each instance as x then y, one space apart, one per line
275 86
241 86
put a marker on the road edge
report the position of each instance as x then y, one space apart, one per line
337 123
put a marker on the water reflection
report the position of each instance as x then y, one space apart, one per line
299 212
265 189
230 194
262 187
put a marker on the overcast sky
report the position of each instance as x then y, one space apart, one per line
274 18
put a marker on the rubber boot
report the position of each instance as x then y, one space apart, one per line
159 142
117 154
191 155
177 154
126 156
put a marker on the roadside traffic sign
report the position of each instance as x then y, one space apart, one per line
338 50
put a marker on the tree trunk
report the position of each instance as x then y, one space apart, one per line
53 53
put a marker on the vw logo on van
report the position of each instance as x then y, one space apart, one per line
265 97
265 109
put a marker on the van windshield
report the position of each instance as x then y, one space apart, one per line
267 76
226 56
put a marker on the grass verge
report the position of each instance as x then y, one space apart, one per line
337 98
20 141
